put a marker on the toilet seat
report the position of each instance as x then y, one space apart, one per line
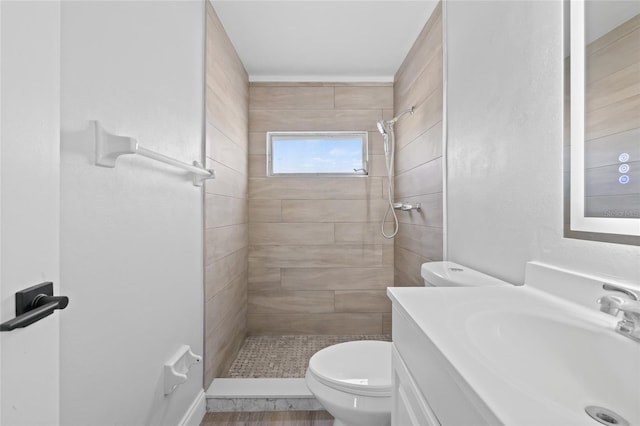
361 367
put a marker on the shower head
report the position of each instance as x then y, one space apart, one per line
385 126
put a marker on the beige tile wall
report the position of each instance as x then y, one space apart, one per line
418 178
226 205
317 262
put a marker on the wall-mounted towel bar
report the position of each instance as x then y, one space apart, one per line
109 147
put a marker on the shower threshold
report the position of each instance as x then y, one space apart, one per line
260 394
268 374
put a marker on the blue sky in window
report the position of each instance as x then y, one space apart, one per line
316 155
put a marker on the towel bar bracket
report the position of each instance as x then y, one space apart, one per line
109 147
198 179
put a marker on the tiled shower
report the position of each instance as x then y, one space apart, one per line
317 239
303 256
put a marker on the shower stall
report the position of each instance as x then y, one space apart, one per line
318 266
298 263
292 264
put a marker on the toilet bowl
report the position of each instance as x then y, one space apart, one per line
352 380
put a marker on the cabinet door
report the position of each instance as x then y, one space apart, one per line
409 407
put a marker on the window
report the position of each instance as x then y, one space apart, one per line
317 153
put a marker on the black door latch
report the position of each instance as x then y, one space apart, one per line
33 304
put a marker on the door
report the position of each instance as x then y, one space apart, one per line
29 205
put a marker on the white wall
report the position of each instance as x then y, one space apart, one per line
131 240
1 316
505 144
30 129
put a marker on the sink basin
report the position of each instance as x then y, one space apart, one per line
567 361
531 358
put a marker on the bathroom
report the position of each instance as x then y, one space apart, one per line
127 246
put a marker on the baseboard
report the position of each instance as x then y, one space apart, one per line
195 413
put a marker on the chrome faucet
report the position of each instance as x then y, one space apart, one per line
629 326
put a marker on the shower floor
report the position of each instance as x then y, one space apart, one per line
283 356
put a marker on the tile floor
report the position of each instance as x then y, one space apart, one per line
283 356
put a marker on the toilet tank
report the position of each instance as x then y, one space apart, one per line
451 274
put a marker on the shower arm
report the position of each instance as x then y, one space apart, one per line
397 117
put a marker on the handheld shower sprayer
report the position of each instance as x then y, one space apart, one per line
386 129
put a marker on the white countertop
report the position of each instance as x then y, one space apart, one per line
523 381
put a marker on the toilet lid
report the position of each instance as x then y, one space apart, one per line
362 367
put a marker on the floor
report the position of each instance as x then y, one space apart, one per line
286 357
283 356
277 418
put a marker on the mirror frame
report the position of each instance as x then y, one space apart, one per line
614 230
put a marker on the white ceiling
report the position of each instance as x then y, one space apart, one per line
307 40
603 16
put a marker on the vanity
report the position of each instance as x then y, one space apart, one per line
538 354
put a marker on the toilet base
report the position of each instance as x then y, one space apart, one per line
351 410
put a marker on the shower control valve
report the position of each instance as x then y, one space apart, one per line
407 206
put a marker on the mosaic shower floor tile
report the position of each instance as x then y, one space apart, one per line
284 356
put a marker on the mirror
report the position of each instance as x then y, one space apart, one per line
602 120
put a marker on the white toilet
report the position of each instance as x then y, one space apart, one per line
352 380
451 274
